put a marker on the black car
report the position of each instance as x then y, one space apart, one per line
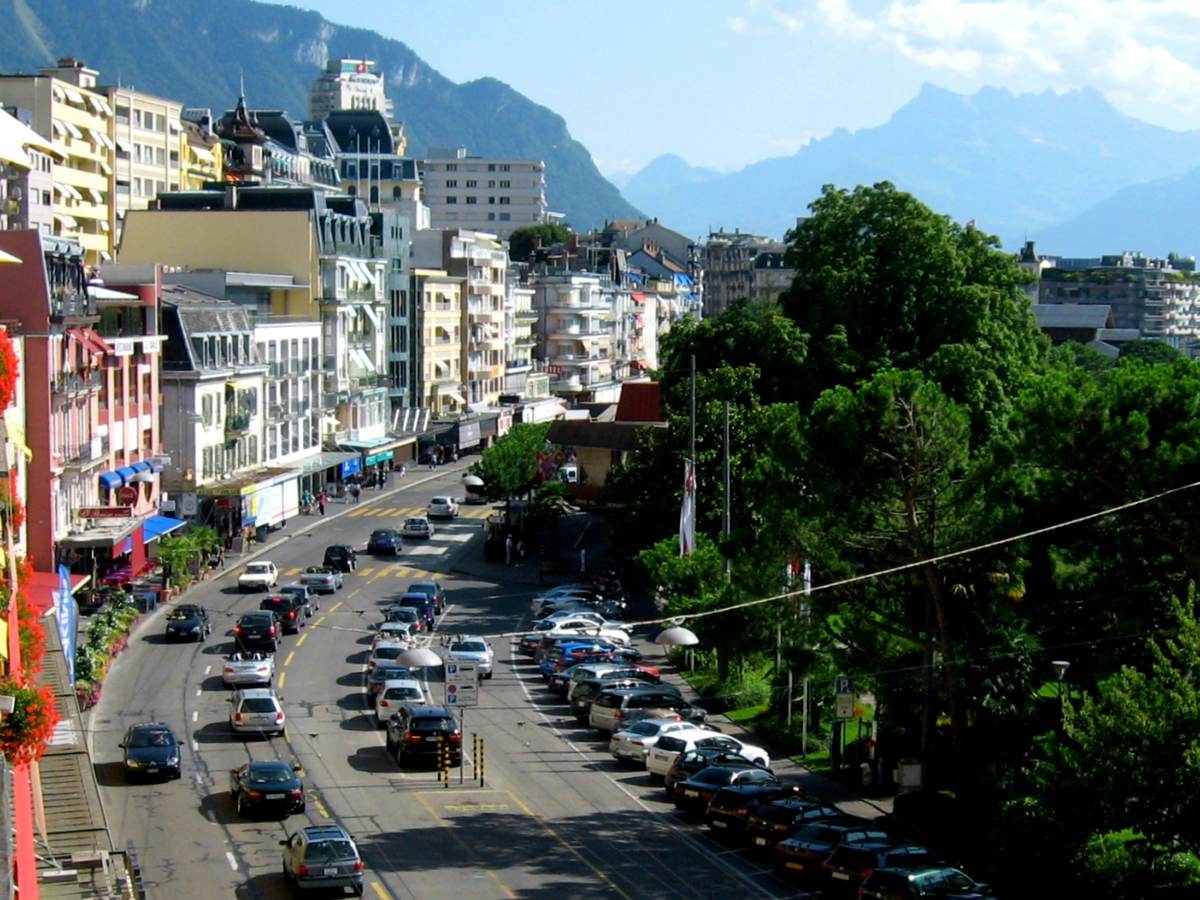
729 810
188 622
288 609
434 590
769 823
267 785
693 795
851 864
151 751
384 541
257 631
803 853
420 732
697 760
941 882
341 556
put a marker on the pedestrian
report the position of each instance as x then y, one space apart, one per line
521 548
403 470
508 550
321 502
355 490
220 557
430 460
582 560
429 618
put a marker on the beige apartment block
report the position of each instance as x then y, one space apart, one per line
439 298
67 108
492 195
147 133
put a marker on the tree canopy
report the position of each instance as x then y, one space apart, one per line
522 240
509 468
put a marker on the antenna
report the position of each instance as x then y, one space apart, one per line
241 82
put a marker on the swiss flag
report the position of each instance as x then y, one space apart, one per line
362 67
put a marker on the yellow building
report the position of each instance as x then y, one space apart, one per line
67 108
439 299
147 134
200 157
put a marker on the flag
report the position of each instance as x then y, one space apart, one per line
687 512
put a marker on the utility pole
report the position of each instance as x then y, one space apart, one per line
728 516
692 443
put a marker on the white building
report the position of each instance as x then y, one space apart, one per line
575 334
492 195
349 84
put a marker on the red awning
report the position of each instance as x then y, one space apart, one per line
638 297
89 339
42 585
101 345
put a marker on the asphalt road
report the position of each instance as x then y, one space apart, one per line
555 815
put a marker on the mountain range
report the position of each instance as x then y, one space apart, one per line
1066 169
197 51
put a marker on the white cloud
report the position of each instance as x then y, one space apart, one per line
1130 49
736 24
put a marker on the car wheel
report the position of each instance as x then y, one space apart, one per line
488 675
302 807
358 889
391 745
241 804
288 876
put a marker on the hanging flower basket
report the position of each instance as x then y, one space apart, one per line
8 370
25 731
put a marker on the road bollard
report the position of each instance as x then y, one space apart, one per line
479 761
444 764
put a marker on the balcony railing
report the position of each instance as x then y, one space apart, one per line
237 424
74 383
72 306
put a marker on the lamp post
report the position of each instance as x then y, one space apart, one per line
1060 673
675 635
420 658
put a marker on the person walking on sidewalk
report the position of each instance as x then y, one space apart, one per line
321 502
508 550
355 491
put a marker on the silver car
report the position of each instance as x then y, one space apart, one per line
240 669
322 579
416 527
470 648
256 711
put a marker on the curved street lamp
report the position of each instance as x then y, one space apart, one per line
677 636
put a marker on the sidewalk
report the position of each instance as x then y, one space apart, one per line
576 530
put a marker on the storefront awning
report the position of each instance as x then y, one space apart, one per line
153 528
127 472
41 587
111 481
324 460
248 483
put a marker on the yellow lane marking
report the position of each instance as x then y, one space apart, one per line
320 806
359 512
466 847
282 679
558 837
335 606
353 592
288 661
302 639
382 572
367 571
379 891
317 624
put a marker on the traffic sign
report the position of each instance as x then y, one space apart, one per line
844 706
843 684
462 684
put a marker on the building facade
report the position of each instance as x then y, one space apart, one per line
490 195
575 333
26 176
147 134
439 299
519 339
740 266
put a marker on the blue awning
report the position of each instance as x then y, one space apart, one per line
140 466
155 467
111 481
127 472
157 526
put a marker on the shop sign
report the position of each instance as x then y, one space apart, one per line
127 495
105 512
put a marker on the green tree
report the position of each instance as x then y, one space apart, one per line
522 240
509 468
1150 351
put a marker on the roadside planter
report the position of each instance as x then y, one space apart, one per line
106 636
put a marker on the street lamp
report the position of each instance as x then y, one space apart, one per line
1060 673
677 636
420 658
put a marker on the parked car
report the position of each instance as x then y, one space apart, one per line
614 707
632 743
431 589
663 755
258 576
442 508
243 668
769 823
288 610
267 784
695 761
851 864
470 648
256 711
342 557
151 751
420 732
612 669
729 811
257 631
322 857
307 599
589 624
586 691
802 853
322 579
941 882
384 542
417 527
188 622
386 651
395 693
693 795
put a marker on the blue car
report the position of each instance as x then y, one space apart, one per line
384 541
571 652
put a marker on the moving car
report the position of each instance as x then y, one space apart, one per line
384 541
268 784
258 576
632 743
442 508
470 648
241 669
322 579
306 598
188 622
395 693
322 857
417 527
407 615
151 750
393 632
693 795
342 557
256 711
420 732
288 610
431 589
802 853
418 600
382 674
257 631
663 755
916 884
386 651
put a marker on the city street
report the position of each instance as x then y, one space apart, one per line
555 813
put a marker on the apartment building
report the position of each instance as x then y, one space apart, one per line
439 299
741 266
575 333
519 340
26 175
67 108
484 194
147 133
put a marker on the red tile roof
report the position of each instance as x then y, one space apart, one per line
641 401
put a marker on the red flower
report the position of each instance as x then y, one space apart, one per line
8 370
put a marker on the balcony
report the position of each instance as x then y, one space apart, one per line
72 307
236 425
75 384
86 455
526 315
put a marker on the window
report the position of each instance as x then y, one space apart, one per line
491 201
491 217
451 182
471 182
504 167
505 201
491 167
395 193
451 167
491 183
504 217
471 201
505 184
452 199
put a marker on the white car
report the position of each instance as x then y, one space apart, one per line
395 693
258 576
416 527
442 508
392 633
582 624
386 650
469 648
612 635
581 613
664 752
256 711
633 743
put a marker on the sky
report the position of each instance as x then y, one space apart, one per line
724 83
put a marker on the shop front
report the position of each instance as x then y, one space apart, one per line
380 457
245 509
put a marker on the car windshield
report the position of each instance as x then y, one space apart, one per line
404 614
417 523
150 739
646 728
468 647
318 570
423 587
256 620
327 851
257 569
271 774
258 705
388 652
184 613
382 533
387 673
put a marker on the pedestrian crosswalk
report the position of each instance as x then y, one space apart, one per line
381 570
403 512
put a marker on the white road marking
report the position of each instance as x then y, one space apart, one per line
207 669
195 715
232 860
199 692
195 746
